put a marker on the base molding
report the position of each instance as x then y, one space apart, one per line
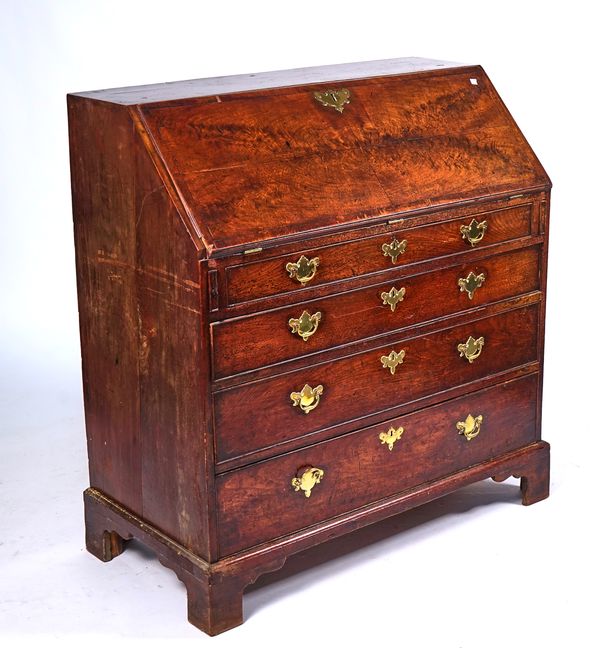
215 590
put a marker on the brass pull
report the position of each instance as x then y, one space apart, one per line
306 325
472 348
307 480
303 270
394 249
392 360
393 296
474 231
471 283
470 427
390 436
335 98
308 398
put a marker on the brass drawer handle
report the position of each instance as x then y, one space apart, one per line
471 283
394 249
390 436
474 231
392 360
303 270
334 98
306 325
393 296
470 427
472 348
308 398
307 480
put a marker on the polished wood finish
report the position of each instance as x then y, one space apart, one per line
332 167
358 385
359 469
263 339
188 201
364 255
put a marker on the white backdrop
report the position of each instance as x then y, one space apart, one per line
471 572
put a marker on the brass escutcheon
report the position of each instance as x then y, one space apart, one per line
306 325
390 436
335 98
392 360
308 398
306 481
471 283
470 427
303 270
394 249
474 231
472 348
393 296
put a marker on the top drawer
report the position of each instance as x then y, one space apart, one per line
395 248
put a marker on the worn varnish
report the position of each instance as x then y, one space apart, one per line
189 201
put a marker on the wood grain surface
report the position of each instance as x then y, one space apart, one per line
266 338
253 416
359 468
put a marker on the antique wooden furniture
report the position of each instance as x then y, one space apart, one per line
308 300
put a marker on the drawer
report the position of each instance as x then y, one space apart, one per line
365 255
253 416
265 338
259 502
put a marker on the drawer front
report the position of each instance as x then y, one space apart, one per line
253 416
259 502
366 255
264 339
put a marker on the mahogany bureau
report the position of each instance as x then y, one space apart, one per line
309 300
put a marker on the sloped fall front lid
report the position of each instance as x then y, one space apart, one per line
260 158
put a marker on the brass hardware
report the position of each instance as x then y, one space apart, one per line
335 98
394 249
470 427
390 436
303 270
514 197
474 231
306 325
252 251
471 283
472 348
308 398
307 480
392 360
394 221
393 296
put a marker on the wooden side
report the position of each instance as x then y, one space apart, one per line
141 299
171 293
104 203
359 469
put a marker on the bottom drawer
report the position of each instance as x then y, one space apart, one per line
261 502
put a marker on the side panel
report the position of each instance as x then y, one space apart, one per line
172 366
102 175
141 305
